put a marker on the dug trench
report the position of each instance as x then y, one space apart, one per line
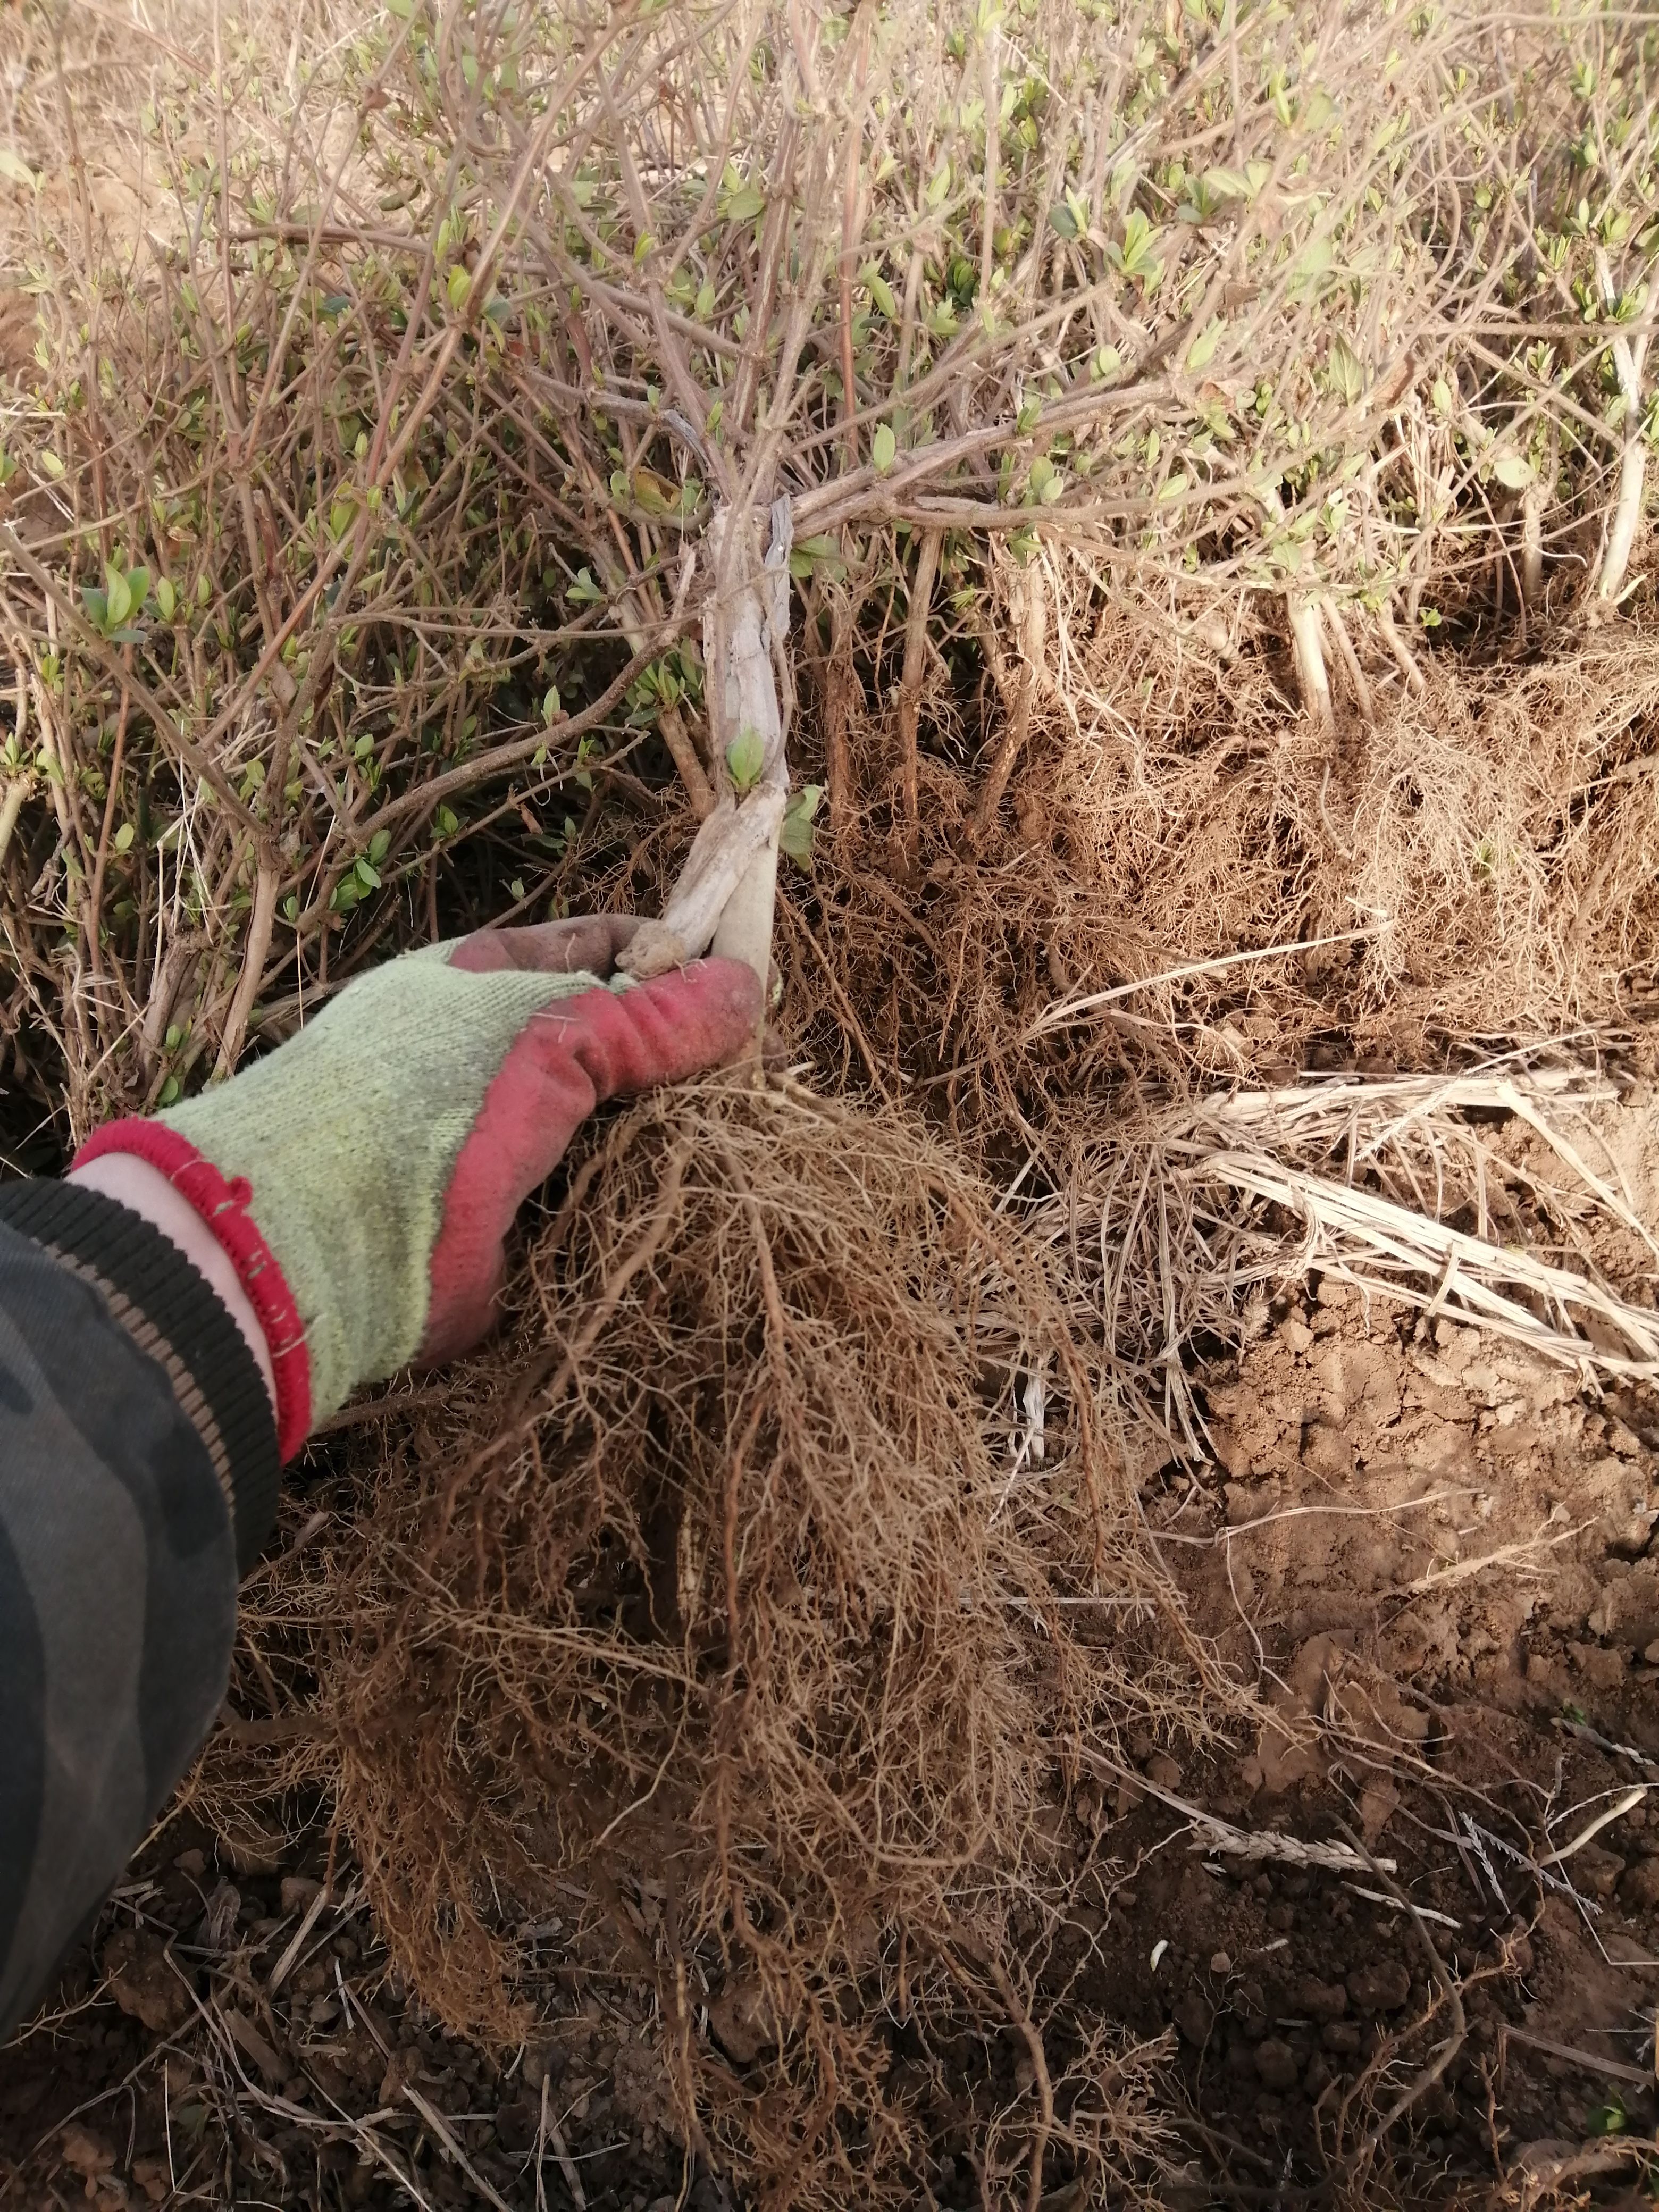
1431 1550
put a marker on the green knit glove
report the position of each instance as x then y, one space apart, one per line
364 1175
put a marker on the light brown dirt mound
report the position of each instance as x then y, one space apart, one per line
1434 1553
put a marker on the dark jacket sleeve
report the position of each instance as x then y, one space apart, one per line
138 1478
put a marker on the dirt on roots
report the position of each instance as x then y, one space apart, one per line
1242 891
724 1585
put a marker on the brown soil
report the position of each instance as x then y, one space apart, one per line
1431 1549
1436 1549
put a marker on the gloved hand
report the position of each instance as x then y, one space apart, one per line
363 1176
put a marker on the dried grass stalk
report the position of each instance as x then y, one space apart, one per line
1187 1224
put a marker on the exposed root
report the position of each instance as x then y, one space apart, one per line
1308 644
1487 855
1629 358
915 662
736 1570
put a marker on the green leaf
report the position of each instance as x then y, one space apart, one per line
705 302
460 284
585 591
16 170
795 837
124 838
368 874
1345 372
96 604
551 704
50 463
1202 352
939 183
444 824
166 1096
879 290
138 585
1513 470
1226 184
745 757
884 448
742 203
167 598
379 846
813 555
1061 219
516 888
1609 2119
117 596
1135 258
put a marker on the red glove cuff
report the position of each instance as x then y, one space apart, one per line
223 1207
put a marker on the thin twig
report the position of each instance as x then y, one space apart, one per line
1450 1991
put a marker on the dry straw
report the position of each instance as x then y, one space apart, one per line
1189 1223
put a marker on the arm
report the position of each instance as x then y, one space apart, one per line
137 1470
178 1313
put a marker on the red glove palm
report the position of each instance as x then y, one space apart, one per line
363 1176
